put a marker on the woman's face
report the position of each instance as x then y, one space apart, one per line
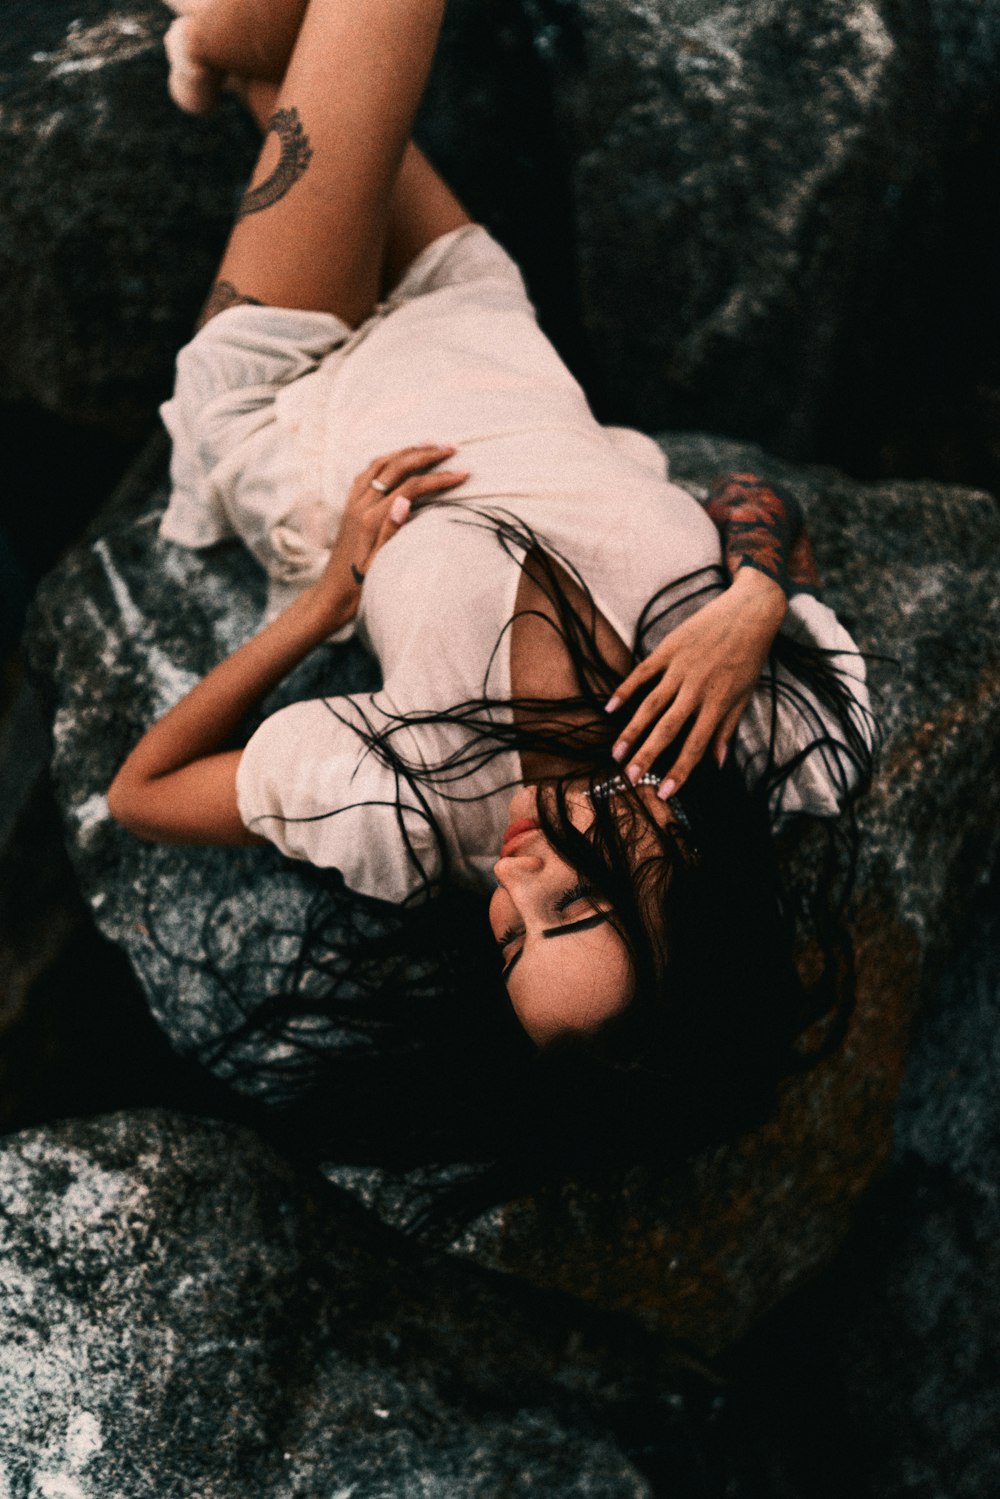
566 968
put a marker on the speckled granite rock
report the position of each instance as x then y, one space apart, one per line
761 193
114 208
914 571
185 1314
774 211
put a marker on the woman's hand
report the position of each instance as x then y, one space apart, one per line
379 505
708 668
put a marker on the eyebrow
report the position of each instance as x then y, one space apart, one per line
561 931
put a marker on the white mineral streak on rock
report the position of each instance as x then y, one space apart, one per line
50 124
6 1492
90 814
58 1486
87 48
83 1439
172 681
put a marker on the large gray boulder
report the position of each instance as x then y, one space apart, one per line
770 218
900 1338
769 200
183 1313
114 209
913 569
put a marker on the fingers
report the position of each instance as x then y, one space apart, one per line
695 745
637 676
662 735
393 509
711 730
396 516
193 86
676 703
422 485
649 710
391 471
397 504
725 732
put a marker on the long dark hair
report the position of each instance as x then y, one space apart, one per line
390 1039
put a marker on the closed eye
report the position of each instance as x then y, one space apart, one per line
568 898
507 937
582 891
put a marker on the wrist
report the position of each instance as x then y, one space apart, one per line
330 610
757 589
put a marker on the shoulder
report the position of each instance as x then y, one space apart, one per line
311 781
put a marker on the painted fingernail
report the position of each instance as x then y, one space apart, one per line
666 789
613 704
399 509
620 750
633 773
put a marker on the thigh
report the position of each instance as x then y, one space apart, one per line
311 232
422 208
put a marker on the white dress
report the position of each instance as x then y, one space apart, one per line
275 412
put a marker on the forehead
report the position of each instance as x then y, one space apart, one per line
575 981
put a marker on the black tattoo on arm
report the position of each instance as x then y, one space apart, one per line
296 154
224 294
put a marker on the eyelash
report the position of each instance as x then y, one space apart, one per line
582 891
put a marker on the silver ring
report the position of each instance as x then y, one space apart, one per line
382 488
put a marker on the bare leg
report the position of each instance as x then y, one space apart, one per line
251 44
311 230
422 208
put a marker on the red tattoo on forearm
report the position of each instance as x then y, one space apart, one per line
762 527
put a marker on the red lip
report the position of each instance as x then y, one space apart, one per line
515 830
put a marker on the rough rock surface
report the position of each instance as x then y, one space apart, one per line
913 570
114 208
184 1313
765 199
773 213
905 1328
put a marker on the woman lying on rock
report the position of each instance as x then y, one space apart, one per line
600 700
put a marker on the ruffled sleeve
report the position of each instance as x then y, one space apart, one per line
245 454
308 781
811 742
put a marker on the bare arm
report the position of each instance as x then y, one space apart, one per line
177 785
707 668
